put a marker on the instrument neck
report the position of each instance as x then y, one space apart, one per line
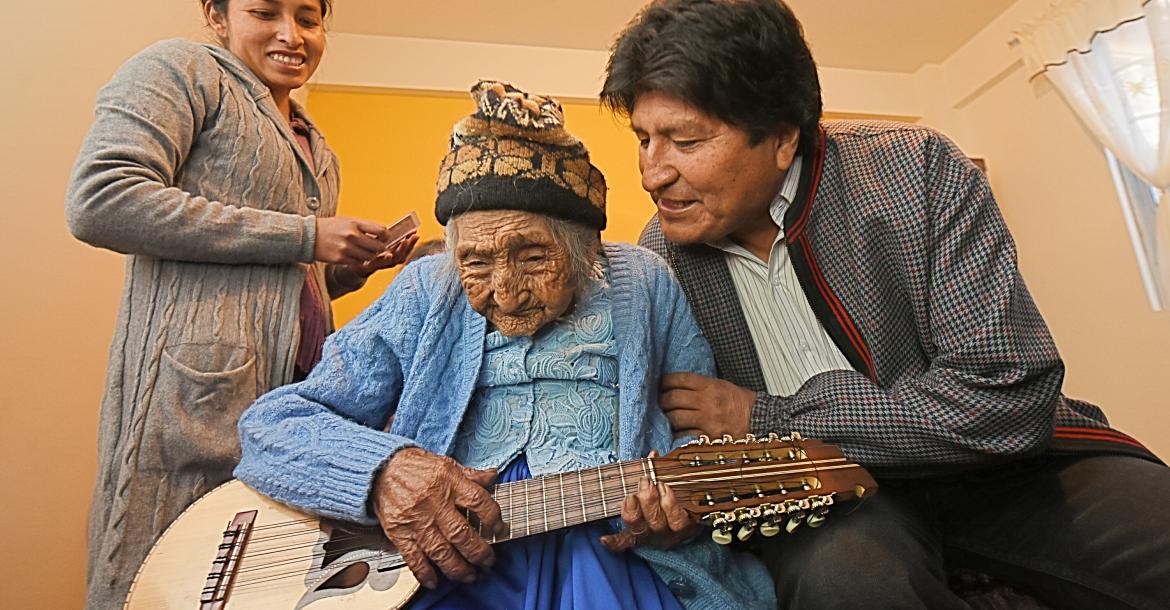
556 501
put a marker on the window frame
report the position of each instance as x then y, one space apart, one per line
1146 253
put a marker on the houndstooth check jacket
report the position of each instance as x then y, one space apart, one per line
901 251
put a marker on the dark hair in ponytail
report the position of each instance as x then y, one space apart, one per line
221 6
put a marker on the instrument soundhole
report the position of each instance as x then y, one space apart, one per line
349 577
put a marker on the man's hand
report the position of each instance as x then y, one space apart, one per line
416 498
696 404
652 517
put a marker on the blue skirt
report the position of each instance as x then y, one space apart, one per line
559 570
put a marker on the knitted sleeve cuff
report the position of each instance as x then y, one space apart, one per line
346 491
308 238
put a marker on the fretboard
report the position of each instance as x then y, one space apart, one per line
551 502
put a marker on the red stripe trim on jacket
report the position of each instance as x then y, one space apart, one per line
838 310
1060 429
818 159
1096 434
1104 439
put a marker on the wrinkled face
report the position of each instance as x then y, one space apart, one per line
513 270
281 41
705 177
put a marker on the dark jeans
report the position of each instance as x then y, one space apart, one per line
1075 532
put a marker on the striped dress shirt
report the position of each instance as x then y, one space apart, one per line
791 343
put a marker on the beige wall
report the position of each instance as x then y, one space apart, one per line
61 296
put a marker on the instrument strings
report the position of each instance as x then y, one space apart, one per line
598 505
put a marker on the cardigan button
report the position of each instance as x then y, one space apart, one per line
681 588
314 203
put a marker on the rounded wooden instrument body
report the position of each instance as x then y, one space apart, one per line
288 560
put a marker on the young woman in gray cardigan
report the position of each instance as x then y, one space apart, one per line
223 195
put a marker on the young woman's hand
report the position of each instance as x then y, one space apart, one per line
392 256
348 241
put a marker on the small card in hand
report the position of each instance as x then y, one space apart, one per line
399 230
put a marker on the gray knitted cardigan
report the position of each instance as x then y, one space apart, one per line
191 170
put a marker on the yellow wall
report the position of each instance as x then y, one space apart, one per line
391 142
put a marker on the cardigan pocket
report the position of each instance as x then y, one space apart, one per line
201 391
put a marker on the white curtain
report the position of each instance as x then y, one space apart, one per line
1110 59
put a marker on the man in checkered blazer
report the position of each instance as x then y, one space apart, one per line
858 284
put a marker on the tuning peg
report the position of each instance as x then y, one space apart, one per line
818 517
795 436
704 439
722 532
748 518
745 532
768 527
794 522
749 438
860 491
721 536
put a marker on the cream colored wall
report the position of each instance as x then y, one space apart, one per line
60 296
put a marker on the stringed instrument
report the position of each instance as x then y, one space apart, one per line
271 556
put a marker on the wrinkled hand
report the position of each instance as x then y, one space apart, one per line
348 241
697 404
392 256
416 499
653 517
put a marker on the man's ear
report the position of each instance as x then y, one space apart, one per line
786 143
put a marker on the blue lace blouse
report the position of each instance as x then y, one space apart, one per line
552 396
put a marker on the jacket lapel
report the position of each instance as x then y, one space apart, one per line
824 301
702 272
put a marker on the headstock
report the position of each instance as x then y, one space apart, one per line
766 484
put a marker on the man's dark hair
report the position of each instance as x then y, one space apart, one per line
743 61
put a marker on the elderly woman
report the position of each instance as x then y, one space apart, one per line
529 347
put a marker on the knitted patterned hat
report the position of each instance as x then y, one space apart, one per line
515 154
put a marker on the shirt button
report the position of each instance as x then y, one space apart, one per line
314 203
681 588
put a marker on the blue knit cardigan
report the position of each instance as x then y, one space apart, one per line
416 353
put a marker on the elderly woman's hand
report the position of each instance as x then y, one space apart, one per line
652 517
416 499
